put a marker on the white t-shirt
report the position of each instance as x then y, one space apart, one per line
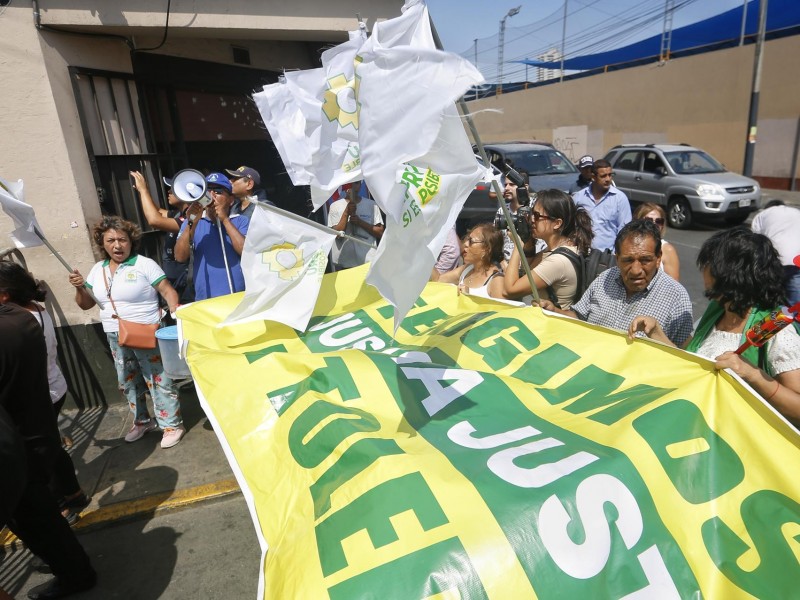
55 378
133 290
347 253
781 224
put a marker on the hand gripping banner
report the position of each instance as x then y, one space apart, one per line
490 451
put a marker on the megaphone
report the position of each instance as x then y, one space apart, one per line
189 185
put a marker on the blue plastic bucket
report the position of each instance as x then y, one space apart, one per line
174 366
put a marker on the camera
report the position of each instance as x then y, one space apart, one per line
521 221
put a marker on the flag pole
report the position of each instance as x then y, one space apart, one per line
291 215
40 235
495 185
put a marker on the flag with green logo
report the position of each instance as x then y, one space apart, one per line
313 118
283 262
416 157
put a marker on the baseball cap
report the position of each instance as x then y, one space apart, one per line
167 181
245 172
585 161
219 180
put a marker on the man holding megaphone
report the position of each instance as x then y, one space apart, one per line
210 232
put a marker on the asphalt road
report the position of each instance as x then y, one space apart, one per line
208 551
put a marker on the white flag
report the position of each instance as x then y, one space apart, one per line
11 199
416 157
319 140
283 262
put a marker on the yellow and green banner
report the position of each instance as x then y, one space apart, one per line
491 451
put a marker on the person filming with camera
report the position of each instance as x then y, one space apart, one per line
561 225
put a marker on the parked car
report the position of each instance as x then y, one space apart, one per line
546 167
690 183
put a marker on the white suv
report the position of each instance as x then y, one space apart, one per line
686 180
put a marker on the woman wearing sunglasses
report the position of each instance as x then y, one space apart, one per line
558 223
670 263
480 275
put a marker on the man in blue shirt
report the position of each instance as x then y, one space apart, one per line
201 235
607 205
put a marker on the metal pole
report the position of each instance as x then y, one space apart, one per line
793 171
563 40
500 44
482 151
291 215
752 123
744 22
476 66
224 255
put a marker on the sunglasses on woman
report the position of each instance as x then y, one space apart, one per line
659 221
470 241
537 216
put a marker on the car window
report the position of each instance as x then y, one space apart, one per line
688 162
652 161
541 162
628 161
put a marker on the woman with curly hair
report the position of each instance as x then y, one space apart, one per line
131 282
480 275
670 263
557 222
743 278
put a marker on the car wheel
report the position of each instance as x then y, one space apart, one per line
679 213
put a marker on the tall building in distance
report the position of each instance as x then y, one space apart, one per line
552 55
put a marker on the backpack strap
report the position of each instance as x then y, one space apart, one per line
577 264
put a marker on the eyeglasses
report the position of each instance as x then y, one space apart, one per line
537 216
659 221
470 241
217 190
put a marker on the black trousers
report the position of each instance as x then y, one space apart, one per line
63 482
37 521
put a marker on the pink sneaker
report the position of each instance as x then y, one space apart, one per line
172 435
139 429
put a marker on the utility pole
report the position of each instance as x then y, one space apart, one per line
501 44
744 22
752 122
563 40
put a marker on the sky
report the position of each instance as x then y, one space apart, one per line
592 25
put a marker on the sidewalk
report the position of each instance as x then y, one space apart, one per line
138 480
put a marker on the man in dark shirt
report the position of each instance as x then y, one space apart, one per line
25 396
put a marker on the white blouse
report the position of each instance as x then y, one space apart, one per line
783 349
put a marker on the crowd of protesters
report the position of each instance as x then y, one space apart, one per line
747 274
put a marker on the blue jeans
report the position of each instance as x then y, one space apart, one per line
791 281
139 371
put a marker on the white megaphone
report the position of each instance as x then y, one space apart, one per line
189 185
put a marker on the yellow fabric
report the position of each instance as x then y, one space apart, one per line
467 459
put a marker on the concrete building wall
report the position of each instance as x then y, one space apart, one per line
701 100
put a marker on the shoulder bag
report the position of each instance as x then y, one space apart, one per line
141 336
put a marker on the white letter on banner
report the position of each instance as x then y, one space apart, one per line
502 464
328 338
461 434
660 585
586 560
441 396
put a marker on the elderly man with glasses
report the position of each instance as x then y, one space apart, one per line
200 235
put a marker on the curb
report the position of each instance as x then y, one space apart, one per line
147 506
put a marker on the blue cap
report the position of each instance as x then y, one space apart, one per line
218 179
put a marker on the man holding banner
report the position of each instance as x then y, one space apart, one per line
636 286
361 218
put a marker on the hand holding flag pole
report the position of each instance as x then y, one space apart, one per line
769 326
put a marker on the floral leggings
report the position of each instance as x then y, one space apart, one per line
139 371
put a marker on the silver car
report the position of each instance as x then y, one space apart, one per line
685 180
